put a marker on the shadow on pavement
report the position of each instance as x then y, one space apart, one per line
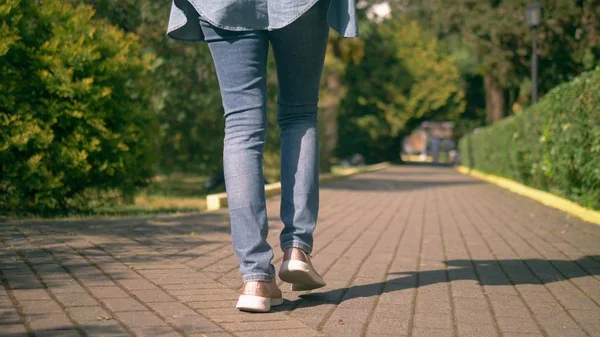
489 271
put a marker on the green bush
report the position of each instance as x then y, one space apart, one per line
554 145
75 112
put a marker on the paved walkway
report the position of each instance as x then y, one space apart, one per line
407 251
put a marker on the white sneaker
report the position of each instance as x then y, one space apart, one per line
259 296
299 271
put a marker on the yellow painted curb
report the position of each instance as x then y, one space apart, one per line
545 198
219 200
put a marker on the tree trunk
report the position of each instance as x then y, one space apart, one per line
494 99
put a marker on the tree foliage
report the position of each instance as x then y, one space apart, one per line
404 76
496 32
73 115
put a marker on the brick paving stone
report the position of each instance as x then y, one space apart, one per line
342 328
193 286
241 316
593 330
40 307
566 333
152 296
108 292
425 332
76 299
279 333
211 334
312 316
172 309
586 317
515 311
476 330
262 325
123 304
205 297
140 319
194 324
14 330
137 284
104 329
433 321
63 284
469 303
88 314
467 258
58 333
58 321
200 306
519 325
31 294
9 316
396 326
156 332
5 302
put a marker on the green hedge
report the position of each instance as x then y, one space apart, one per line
553 146
75 108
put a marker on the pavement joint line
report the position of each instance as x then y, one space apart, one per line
391 263
524 242
323 322
543 197
511 224
474 266
536 275
544 256
52 295
536 233
499 265
180 331
447 273
164 290
411 323
79 282
117 284
355 223
503 269
15 303
44 286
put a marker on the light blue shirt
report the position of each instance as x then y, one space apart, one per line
244 15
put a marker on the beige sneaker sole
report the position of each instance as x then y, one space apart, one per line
301 275
253 303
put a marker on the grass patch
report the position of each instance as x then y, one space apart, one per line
174 193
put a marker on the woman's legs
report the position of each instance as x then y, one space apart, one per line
240 59
299 51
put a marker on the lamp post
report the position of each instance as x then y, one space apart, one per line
533 15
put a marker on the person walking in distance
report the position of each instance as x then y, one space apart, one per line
239 34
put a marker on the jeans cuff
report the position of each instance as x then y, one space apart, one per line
296 244
258 277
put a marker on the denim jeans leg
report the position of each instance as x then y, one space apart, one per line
299 51
240 60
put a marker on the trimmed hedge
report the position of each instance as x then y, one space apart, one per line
553 146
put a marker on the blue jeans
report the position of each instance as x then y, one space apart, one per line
240 59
